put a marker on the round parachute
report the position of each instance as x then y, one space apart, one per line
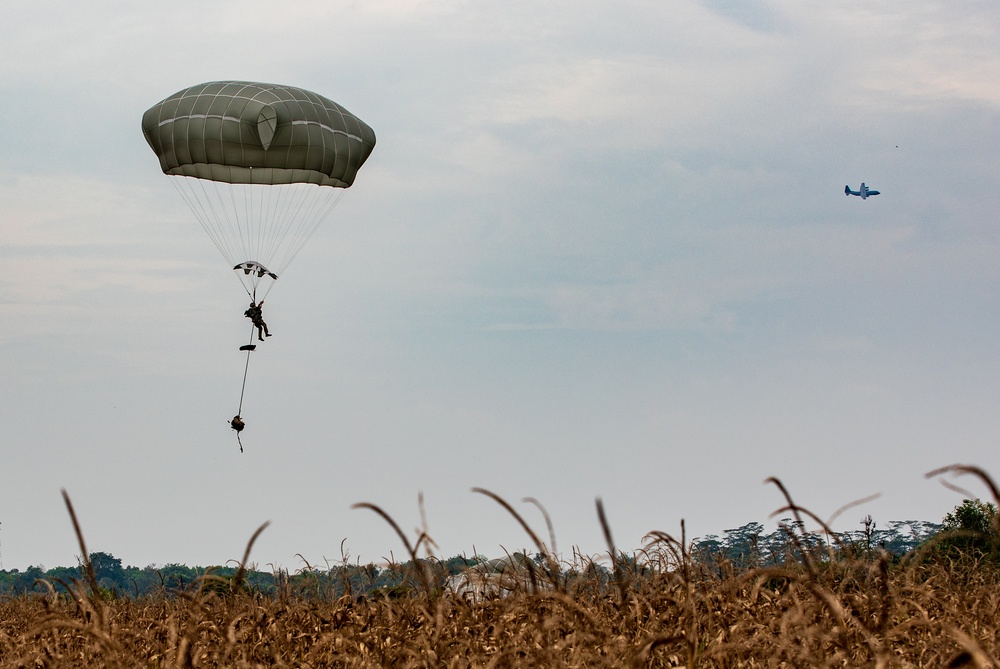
259 165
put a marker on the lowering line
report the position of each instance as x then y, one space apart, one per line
249 349
237 422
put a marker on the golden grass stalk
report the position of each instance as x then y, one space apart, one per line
826 608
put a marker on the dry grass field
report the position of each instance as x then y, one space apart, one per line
824 609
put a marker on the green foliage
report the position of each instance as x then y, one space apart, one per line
970 529
748 547
972 515
115 581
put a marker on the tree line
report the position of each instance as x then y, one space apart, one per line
971 527
116 580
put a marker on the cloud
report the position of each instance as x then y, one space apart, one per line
70 240
586 225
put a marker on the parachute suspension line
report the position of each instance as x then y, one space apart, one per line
219 217
273 220
249 227
280 199
214 207
267 222
266 290
248 217
186 190
264 223
241 224
285 196
226 215
256 211
305 223
284 220
323 207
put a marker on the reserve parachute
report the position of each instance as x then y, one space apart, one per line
259 165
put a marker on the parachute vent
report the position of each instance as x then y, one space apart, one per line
267 123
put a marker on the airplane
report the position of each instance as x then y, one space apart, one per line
864 192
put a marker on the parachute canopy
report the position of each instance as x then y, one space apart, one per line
260 165
243 132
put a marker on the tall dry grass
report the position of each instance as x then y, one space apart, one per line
826 608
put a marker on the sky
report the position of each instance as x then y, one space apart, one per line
600 251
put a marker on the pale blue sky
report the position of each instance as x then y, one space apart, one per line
600 250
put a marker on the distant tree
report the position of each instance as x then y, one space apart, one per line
28 579
458 564
747 546
108 571
708 545
904 536
970 528
741 546
786 542
972 515
177 576
865 539
62 577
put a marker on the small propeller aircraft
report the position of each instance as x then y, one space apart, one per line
863 193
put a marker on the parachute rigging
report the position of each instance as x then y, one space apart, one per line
258 228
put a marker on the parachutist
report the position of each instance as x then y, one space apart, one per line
256 316
246 196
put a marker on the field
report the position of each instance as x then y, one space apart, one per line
837 606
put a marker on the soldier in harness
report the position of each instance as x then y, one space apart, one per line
256 316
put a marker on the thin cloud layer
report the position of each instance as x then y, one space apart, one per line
599 250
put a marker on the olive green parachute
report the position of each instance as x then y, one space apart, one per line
260 165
